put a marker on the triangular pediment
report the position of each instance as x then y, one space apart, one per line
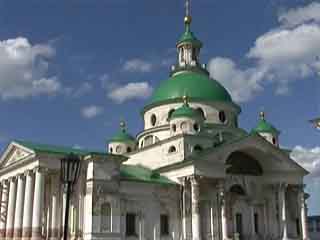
271 158
15 153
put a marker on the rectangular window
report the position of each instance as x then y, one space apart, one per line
164 224
310 226
318 225
131 224
256 223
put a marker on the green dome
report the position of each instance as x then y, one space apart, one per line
185 111
122 136
197 86
264 126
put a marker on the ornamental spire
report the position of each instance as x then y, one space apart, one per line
262 115
187 18
122 125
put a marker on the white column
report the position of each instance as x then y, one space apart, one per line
212 219
19 208
184 209
38 204
54 209
195 195
283 189
253 230
4 207
11 207
304 221
28 206
223 212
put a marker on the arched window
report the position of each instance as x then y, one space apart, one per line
153 119
222 116
156 139
148 140
172 149
105 224
118 149
174 128
111 150
240 163
170 113
129 149
200 110
274 141
237 189
196 127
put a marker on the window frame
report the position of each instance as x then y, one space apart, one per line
131 228
164 225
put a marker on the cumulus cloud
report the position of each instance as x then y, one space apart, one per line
91 111
308 158
136 90
280 56
137 65
24 69
300 15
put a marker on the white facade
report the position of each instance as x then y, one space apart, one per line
182 178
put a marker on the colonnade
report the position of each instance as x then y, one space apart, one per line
194 189
22 206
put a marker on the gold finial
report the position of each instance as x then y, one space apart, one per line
262 115
187 19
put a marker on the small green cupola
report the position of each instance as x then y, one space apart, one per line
122 142
188 48
267 130
186 119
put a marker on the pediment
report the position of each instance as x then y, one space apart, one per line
14 153
271 158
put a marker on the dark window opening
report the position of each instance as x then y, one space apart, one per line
172 149
298 226
164 224
129 149
131 224
196 127
153 120
222 116
197 148
200 110
256 223
274 140
237 189
194 54
170 113
111 150
174 127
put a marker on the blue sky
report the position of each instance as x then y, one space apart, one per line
70 71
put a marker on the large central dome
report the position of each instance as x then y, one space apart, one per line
197 86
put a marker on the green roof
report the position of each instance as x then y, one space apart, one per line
265 127
54 149
142 174
185 111
189 37
197 86
123 136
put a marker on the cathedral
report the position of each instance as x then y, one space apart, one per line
192 173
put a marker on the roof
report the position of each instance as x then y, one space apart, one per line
189 37
142 174
198 86
186 111
265 127
123 136
55 149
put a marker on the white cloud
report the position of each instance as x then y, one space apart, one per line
24 69
137 65
82 90
279 57
308 158
242 84
91 111
137 90
300 15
